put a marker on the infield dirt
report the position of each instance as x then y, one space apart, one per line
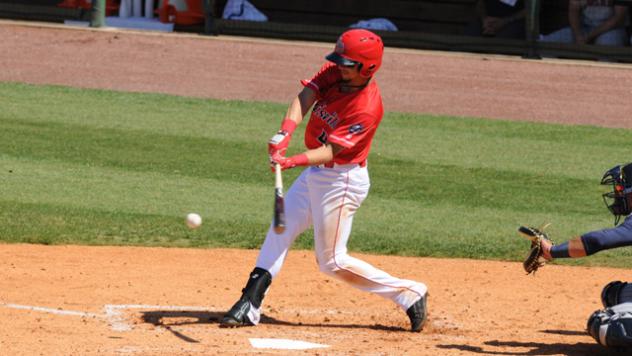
75 300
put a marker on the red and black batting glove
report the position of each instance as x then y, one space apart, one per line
288 162
279 142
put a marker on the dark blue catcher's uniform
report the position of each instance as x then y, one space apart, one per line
605 239
612 326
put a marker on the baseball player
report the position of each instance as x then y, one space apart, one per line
347 110
611 327
619 203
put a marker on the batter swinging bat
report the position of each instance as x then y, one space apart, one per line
279 205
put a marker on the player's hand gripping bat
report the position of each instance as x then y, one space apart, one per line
279 204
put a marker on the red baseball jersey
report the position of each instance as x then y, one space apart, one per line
345 119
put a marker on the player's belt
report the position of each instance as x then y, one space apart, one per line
332 164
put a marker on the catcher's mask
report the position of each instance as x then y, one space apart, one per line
358 47
619 200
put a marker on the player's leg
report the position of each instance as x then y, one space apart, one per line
335 196
247 310
298 218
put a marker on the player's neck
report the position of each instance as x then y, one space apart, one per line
354 85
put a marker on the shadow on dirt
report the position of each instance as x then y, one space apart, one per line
170 318
565 332
536 348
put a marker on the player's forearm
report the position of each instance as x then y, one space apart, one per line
569 249
278 144
293 117
593 242
320 155
312 157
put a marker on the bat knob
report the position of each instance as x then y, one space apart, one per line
279 229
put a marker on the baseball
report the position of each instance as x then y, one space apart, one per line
194 220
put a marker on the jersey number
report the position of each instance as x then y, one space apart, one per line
323 137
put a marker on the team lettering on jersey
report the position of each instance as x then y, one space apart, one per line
331 119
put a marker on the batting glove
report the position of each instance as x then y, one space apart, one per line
288 162
281 140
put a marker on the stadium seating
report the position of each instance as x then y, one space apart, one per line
111 6
181 12
429 16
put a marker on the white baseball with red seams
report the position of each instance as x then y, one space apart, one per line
193 220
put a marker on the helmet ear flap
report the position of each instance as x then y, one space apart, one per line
369 71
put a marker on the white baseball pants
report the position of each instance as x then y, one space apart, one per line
328 198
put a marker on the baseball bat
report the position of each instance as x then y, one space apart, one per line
279 203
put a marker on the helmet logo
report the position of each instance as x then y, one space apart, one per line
340 46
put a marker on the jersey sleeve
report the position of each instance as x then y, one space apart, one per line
326 77
357 128
606 239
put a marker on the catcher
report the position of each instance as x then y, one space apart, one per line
612 326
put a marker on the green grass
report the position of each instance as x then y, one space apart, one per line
101 167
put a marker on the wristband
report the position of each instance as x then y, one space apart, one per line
288 125
560 251
300 160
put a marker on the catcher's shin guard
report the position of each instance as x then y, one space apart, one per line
417 314
247 310
612 327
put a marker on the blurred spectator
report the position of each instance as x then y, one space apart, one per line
380 24
553 15
629 25
242 10
598 22
498 18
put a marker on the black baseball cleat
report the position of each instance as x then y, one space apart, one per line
417 315
247 310
237 315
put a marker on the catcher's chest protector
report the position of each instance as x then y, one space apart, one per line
612 327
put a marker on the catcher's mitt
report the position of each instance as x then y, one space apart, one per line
535 259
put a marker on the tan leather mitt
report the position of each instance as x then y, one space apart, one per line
534 259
